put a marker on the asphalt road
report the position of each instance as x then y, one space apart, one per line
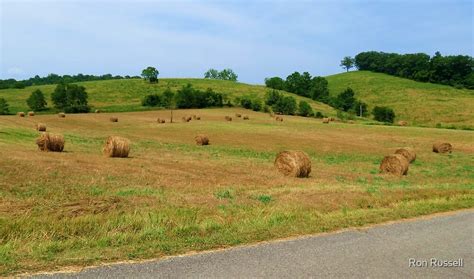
377 252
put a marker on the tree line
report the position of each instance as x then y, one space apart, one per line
454 70
56 79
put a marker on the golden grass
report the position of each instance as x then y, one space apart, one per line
171 196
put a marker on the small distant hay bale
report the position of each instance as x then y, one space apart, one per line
40 127
186 118
228 118
246 117
61 114
407 152
395 164
332 119
113 119
50 142
163 121
326 120
160 121
21 114
198 117
402 123
98 111
116 147
278 118
293 163
202 140
31 113
351 121
194 117
238 115
442 147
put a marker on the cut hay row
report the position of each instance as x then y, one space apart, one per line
50 142
443 147
293 163
116 147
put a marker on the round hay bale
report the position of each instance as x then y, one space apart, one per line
442 147
158 120
293 163
113 119
402 123
61 114
278 118
116 147
98 111
395 164
163 121
246 117
351 122
326 120
186 118
194 117
332 119
40 127
31 113
228 118
198 117
50 142
407 152
202 140
238 115
21 114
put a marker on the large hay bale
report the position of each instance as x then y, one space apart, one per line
228 118
407 152
202 140
395 164
238 115
402 123
62 114
113 119
326 120
442 147
50 142
246 117
21 114
116 147
31 113
293 163
40 127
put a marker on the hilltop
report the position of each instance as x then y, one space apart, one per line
419 103
126 94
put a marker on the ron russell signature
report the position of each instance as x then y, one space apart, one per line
434 262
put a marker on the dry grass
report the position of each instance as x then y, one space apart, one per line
80 207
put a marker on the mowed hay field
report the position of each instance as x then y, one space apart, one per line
418 103
172 196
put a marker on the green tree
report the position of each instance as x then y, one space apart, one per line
152 100
36 101
257 105
383 114
246 102
228 74
71 98
347 63
272 97
169 102
285 105
345 100
304 109
212 74
3 107
275 83
320 90
150 74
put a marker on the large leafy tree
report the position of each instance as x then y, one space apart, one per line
70 98
226 74
150 74
3 107
36 101
320 90
347 63
345 100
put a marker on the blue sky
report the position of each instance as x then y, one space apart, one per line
257 39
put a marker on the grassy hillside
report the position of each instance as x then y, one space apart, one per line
126 95
422 104
171 196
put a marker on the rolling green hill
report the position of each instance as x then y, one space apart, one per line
421 104
126 94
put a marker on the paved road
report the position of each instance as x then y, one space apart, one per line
377 252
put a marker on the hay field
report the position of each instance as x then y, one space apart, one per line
172 196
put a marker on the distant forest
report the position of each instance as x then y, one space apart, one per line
454 70
55 79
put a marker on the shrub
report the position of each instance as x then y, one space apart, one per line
3 107
168 98
345 100
70 98
257 105
285 105
318 114
304 109
188 97
152 100
246 102
272 97
275 83
36 101
383 114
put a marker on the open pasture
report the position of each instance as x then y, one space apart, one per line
79 207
